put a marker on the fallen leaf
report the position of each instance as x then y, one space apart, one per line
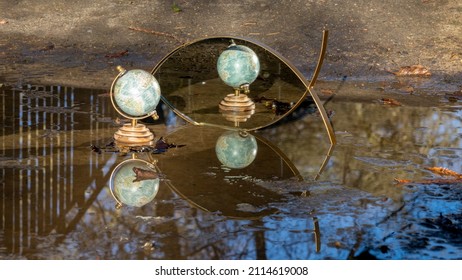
444 171
95 149
49 47
402 181
454 97
414 70
454 56
430 181
327 91
408 89
116 55
390 101
3 21
176 8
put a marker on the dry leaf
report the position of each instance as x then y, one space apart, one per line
442 181
430 181
402 181
116 55
437 170
48 47
455 96
390 101
327 91
414 70
3 21
408 89
444 171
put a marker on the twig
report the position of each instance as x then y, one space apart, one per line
153 32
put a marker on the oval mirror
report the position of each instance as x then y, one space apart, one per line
231 82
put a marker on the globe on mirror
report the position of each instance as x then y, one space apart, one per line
135 95
134 182
236 149
238 66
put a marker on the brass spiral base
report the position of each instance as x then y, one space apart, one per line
134 135
237 108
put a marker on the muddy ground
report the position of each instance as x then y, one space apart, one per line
79 43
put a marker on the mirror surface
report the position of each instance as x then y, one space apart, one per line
196 173
190 83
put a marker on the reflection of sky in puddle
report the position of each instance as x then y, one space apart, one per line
55 202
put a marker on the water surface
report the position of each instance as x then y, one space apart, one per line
299 199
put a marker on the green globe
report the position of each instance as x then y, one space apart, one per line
235 150
238 65
137 93
134 182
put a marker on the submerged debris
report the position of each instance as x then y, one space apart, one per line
161 146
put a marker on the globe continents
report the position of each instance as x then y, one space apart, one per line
238 65
134 182
236 150
136 93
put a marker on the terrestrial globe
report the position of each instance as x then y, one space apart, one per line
238 65
136 93
236 149
134 182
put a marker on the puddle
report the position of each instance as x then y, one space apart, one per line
295 200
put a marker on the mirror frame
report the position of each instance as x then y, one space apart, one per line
308 84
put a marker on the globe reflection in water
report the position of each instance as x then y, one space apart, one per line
134 182
236 149
137 93
238 65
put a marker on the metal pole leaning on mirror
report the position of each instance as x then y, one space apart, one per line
317 101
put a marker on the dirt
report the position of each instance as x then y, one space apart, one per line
79 43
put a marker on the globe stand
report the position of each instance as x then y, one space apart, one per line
237 107
134 134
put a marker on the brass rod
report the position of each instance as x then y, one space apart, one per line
322 54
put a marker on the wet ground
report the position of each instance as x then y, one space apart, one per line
295 201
